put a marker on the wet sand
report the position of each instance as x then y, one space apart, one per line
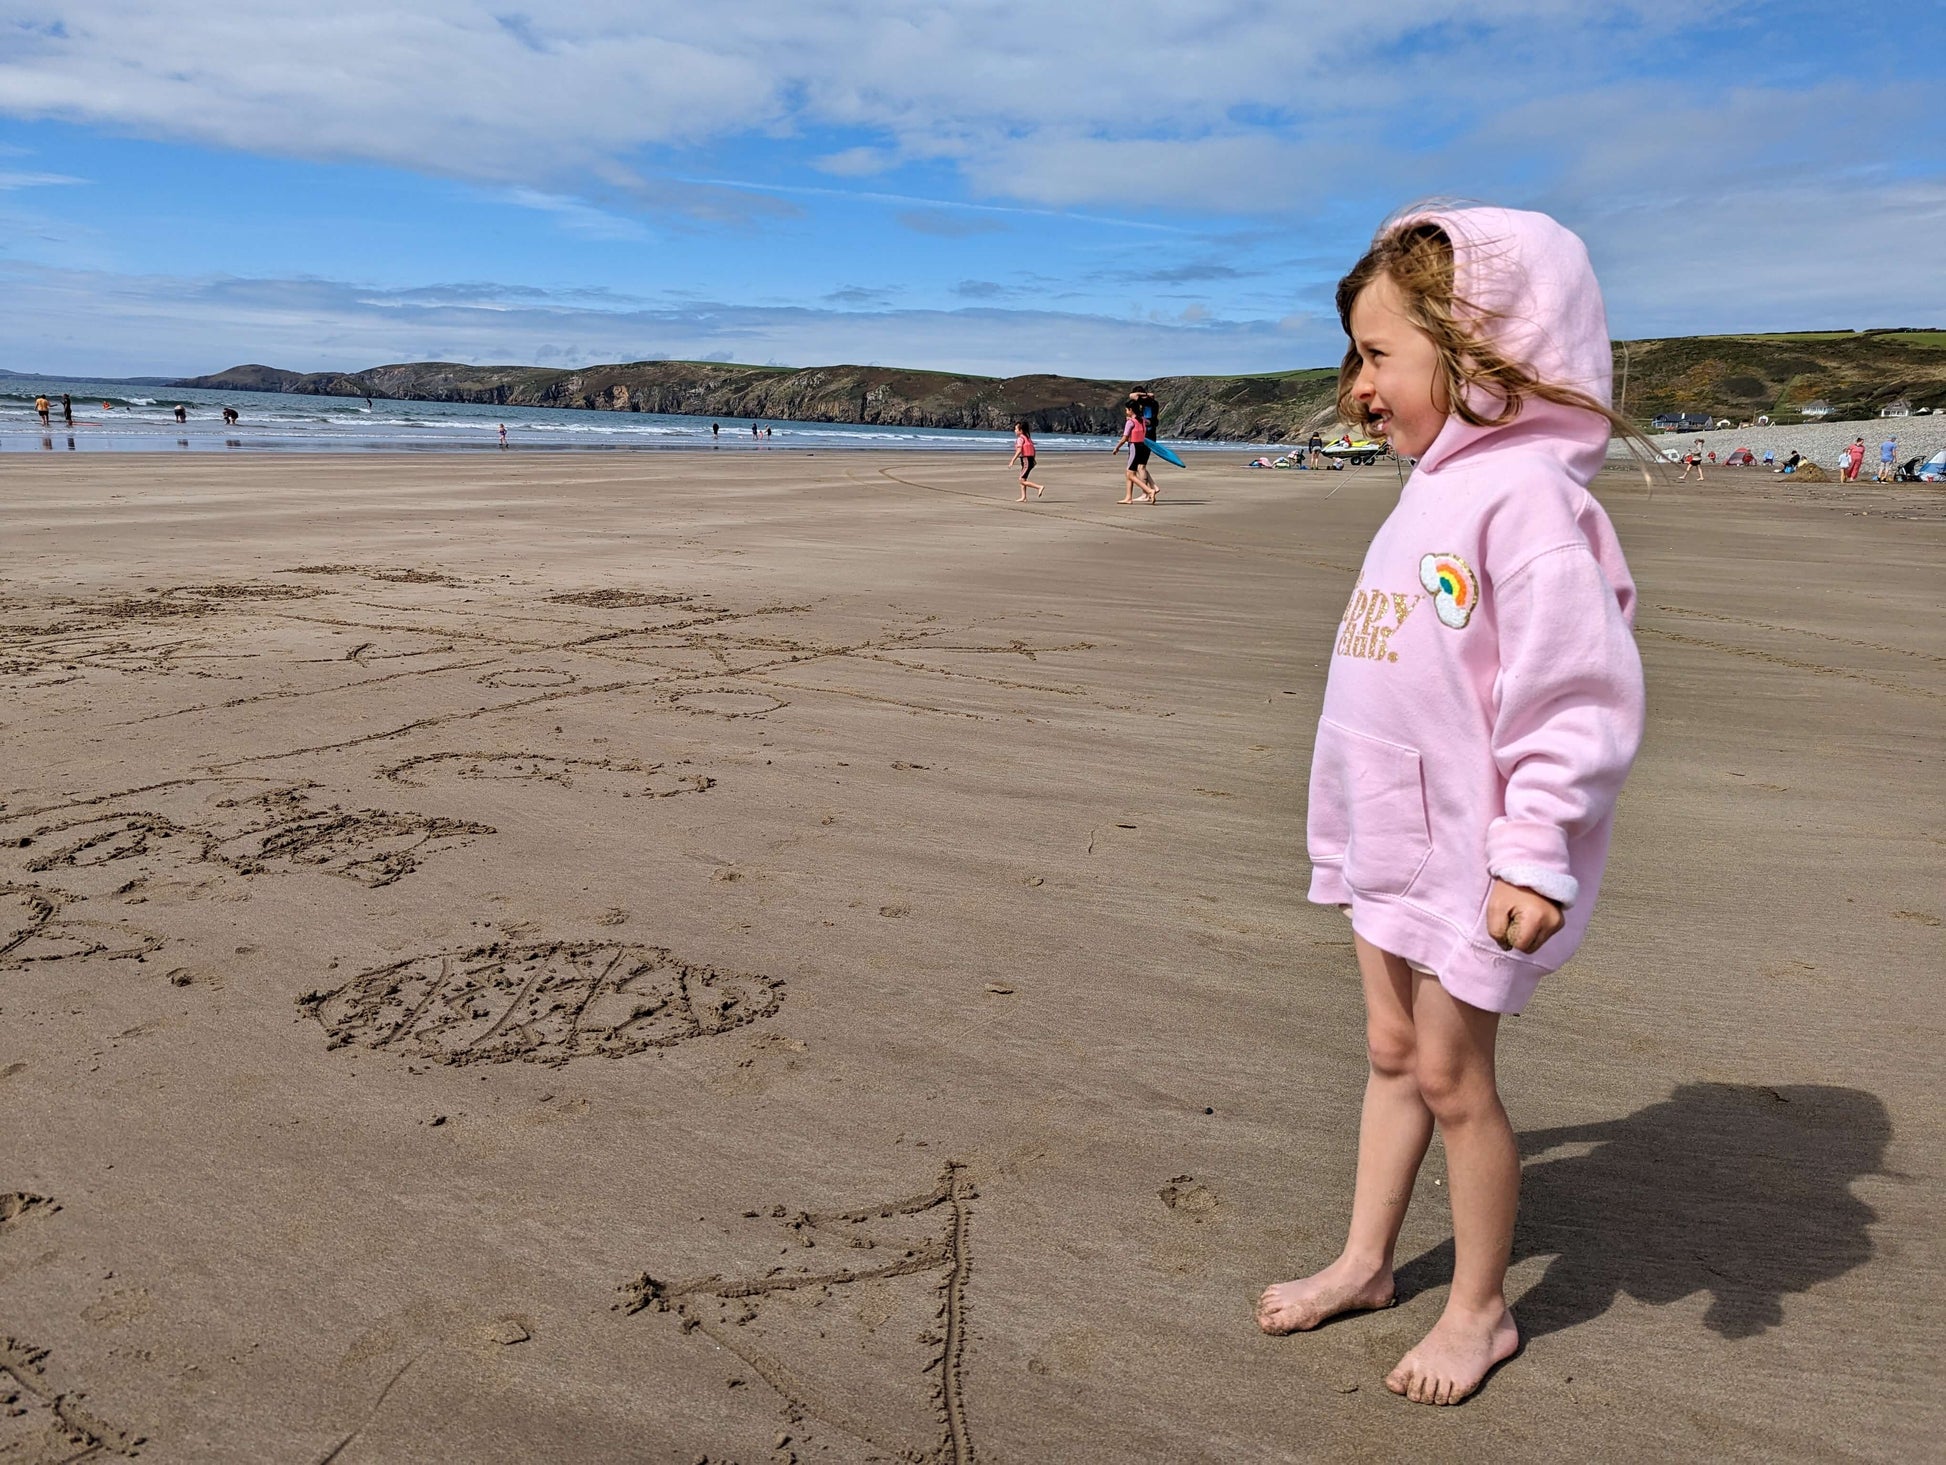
664 958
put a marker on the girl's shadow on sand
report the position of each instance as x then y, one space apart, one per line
1742 1192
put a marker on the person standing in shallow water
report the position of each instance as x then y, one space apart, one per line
1483 706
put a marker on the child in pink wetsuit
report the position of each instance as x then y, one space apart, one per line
1483 707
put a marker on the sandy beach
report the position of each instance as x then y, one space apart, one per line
785 957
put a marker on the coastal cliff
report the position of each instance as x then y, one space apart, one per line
1727 376
1255 408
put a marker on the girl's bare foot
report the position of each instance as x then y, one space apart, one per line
1454 1359
1039 491
1297 1307
1124 501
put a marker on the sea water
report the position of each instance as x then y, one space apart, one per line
116 416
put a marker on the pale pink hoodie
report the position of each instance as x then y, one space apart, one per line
1485 696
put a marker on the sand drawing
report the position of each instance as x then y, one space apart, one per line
615 599
528 676
117 632
39 1424
34 928
277 827
729 702
608 776
375 847
42 1425
545 1002
376 572
875 1265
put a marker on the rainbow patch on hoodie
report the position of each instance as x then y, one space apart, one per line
1450 581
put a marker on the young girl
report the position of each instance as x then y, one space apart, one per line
1483 706
1024 455
1135 437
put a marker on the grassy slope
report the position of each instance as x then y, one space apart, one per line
1727 376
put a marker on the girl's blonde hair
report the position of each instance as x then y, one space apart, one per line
1417 257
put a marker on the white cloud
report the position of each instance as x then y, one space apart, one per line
161 325
12 181
1237 98
576 216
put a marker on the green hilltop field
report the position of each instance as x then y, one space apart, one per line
1739 377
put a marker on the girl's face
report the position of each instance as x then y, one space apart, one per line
1399 382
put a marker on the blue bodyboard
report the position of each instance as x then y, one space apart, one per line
1165 454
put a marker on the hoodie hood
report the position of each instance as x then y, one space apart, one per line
1535 291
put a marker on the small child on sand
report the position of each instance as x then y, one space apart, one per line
1135 437
1024 455
1482 709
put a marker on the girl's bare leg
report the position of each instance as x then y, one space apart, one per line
1456 1082
1128 493
1392 1136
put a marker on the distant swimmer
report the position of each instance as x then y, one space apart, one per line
754 433
182 413
67 409
503 434
715 428
40 406
230 418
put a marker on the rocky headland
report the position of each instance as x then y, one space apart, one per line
1738 377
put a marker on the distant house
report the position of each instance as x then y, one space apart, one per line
1682 422
1900 408
1816 411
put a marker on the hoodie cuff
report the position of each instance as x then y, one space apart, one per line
1534 856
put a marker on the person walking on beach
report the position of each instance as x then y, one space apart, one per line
67 410
40 406
1692 460
715 431
1024 455
754 434
1854 459
1483 706
1888 452
1135 438
503 434
1314 457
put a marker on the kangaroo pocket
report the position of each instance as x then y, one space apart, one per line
1368 809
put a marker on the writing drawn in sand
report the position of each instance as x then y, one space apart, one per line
609 776
280 827
40 1424
34 927
861 1301
542 1003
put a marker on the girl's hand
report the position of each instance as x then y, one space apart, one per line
1520 919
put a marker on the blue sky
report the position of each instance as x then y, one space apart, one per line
1115 190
